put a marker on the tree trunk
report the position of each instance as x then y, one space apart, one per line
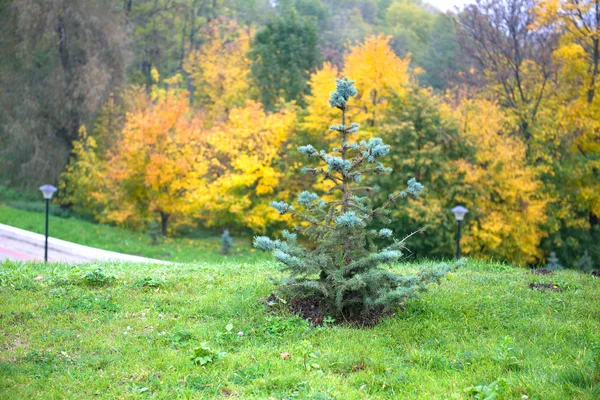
164 219
62 44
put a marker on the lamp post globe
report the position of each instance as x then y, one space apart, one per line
459 215
47 191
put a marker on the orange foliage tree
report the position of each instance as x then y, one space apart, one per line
158 163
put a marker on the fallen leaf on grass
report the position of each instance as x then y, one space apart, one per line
358 367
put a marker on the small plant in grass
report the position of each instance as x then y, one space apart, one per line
508 355
553 263
203 355
98 277
154 233
493 391
309 356
342 270
150 282
226 242
585 263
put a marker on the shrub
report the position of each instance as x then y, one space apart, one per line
226 242
342 267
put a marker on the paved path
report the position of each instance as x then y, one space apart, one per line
18 244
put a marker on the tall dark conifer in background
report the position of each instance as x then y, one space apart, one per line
284 53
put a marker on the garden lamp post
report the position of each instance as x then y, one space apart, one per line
48 191
459 214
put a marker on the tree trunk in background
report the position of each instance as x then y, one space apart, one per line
164 219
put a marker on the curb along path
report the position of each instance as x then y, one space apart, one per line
19 244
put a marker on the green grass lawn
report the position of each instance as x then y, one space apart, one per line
180 249
133 337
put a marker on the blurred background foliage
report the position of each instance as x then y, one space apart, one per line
187 113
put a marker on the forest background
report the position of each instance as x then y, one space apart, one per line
189 112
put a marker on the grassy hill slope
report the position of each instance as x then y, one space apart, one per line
70 333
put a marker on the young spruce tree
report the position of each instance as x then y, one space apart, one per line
343 269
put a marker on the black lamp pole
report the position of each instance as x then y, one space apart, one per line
47 191
459 214
458 241
46 244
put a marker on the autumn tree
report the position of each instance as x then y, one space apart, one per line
220 69
369 62
159 163
246 168
515 61
379 74
503 194
573 118
82 184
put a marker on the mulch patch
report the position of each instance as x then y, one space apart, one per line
546 286
313 310
596 273
542 271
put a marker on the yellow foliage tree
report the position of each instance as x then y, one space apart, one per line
318 110
82 182
248 165
573 123
378 73
220 69
503 192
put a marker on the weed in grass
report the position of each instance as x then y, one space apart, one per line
98 277
493 391
246 375
139 389
150 282
180 338
57 292
227 336
199 383
203 355
16 317
382 383
277 326
508 355
93 303
309 356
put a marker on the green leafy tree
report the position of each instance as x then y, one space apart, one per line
283 55
342 267
425 142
